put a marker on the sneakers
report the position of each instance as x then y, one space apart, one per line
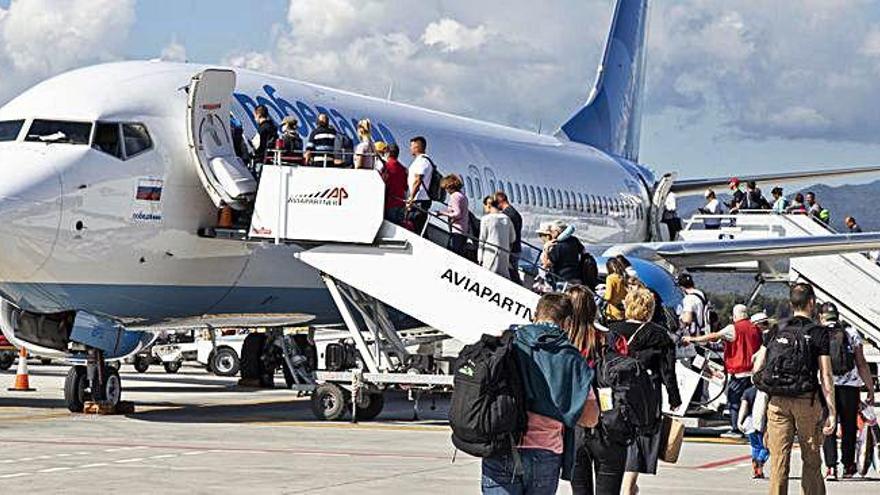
831 474
757 470
732 435
849 471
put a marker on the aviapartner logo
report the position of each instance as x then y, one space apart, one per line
333 196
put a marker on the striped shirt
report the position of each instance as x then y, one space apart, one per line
322 144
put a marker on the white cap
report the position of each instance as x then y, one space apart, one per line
759 317
707 193
631 272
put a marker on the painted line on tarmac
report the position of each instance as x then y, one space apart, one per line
201 449
715 440
722 462
349 426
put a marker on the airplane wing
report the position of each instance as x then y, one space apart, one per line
698 186
701 253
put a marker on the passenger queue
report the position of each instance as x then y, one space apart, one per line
587 376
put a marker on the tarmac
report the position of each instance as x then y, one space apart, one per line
196 433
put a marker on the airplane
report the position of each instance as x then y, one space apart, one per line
105 193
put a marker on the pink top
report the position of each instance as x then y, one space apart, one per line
457 211
543 433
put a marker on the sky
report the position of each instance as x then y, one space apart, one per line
733 86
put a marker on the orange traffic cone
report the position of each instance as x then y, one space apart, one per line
22 384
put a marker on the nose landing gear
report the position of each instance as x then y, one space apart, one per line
96 386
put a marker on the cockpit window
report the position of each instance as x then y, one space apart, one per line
107 139
9 129
58 131
137 139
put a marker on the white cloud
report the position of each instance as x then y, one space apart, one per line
453 36
174 52
766 69
40 38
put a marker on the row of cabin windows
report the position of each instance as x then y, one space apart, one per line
553 198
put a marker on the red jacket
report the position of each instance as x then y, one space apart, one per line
738 354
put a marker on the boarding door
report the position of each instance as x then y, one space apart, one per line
658 204
224 176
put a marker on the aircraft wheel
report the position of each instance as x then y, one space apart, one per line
141 364
225 362
373 408
75 385
6 360
114 365
172 366
251 363
329 402
112 387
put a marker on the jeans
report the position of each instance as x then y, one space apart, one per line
735 390
785 416
457 244
759 451
847 401
540 476
419 215
395 215
595 456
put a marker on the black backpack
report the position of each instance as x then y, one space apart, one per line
435 192
843 358
488 410
787 371
635 409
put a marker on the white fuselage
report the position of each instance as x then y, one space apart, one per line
74 235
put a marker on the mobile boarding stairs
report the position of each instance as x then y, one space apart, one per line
335 219
851 281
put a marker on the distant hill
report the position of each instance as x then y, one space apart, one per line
842 201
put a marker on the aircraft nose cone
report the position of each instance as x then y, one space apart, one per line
30 213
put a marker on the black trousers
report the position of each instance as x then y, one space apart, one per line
847 400
595 456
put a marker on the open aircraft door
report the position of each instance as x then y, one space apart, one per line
658 204
225 177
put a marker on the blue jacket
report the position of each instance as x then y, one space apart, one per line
556 377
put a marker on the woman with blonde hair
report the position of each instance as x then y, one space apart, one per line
365 151
615 289
457 213
596 454
652 346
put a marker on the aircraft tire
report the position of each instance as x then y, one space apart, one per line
225 362
172 366
329 402
75 385
251 365
141 364
7 358
112 387
373 409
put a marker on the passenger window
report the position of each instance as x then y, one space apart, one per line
518 194
107 139
479 188
542 197
580 202
532 195
137 139
470 187
9 129
58 131
567 203
559 199
553 203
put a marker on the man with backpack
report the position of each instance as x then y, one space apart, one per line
789 368
517 399
741 341
422 180
851 373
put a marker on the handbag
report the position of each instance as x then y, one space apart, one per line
671 438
